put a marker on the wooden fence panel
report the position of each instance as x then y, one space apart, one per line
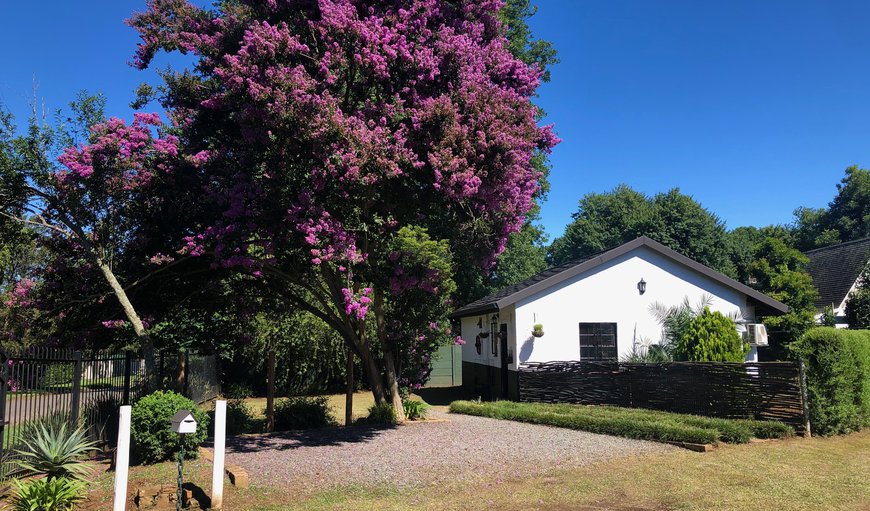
757 390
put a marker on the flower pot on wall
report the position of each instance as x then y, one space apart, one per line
538 331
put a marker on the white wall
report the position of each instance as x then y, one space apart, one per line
609 294
470 332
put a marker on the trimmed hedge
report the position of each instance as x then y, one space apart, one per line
838 378
628 422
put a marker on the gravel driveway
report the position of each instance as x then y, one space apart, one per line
422 453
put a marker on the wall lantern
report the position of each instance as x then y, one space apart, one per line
641 286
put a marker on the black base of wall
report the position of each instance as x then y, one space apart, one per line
485 382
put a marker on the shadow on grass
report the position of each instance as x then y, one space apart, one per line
288 440
443 396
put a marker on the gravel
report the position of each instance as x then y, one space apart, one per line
447 448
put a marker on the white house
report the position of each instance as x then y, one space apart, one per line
593 309
835 271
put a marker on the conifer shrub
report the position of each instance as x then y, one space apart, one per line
711 337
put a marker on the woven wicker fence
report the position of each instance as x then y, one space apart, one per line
761 390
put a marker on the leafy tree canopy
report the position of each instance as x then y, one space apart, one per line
846 218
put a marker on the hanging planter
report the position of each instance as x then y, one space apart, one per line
484 335
538 330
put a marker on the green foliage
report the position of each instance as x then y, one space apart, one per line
742 244
240 417
605 220
838 378
303 413
239 390
780 272
858 304
846 218
712 337
52 448
48 494
380 414
828 318
57 374
676 320
415 409
628 422
151 431
521 42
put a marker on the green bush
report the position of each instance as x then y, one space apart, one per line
239 391
380 414
47 494
415 409
838 378
628 422
858 308
711 337
151 431
52 448
303 413
240 417
57 374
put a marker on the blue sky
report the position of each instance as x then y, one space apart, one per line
754 108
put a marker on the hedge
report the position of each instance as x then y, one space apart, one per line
628 422
838 378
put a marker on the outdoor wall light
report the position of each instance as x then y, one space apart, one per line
641 286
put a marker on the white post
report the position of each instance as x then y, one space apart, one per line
220 440
122 459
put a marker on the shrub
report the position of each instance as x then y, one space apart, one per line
240 417
383 413
239 391
711 337
57 374
51 447
858 308
47 494
415 409
152 435
303 413
838 378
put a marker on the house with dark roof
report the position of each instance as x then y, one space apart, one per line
597 308
835 271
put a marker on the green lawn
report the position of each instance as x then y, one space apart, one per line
628 422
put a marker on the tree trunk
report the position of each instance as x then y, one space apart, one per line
133 317
348 400
181 372
393 385
270 390
373 375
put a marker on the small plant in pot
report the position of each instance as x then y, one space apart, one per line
538 330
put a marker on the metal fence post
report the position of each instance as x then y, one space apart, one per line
76 389
4 378
128 368
805 400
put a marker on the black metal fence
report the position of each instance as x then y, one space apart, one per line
59 384
761 390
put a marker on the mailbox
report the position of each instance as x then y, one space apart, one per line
183 422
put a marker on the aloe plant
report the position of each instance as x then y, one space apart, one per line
53 448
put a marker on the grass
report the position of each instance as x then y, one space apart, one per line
792 475
628 422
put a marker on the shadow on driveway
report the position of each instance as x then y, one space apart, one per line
287 440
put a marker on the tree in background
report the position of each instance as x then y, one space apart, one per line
743 242
324 130
846 218
711 337
779 271
605 220
858 303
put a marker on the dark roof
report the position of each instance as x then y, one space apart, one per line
556 274
835 269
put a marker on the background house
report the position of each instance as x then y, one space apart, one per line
835 271
592 309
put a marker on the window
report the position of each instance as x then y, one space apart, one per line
598 341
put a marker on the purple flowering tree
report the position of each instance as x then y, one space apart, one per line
87 204
333 133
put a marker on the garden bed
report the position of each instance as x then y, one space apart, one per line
628 422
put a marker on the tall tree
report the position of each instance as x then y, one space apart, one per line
605 220
780 272
846 218
361 151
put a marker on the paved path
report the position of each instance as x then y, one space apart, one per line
422 453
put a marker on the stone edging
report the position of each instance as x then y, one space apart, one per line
238 476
